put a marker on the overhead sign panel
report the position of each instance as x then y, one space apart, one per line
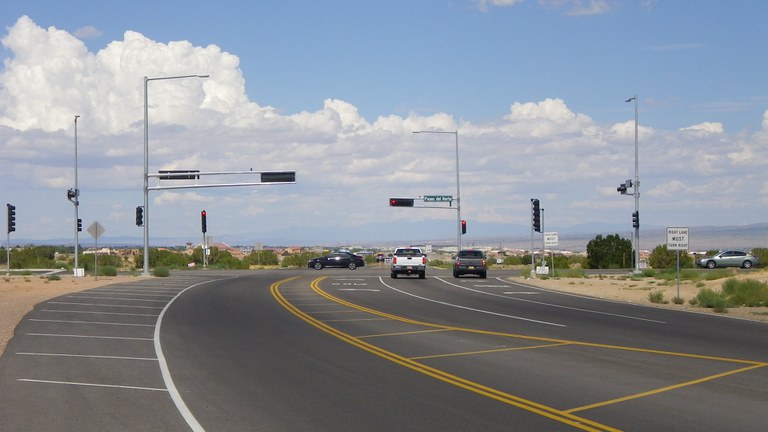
179 174
278 177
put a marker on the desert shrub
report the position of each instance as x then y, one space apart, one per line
53 277
107 271
678 300
656 297
709 298
161 272
570 273
747 292
718 274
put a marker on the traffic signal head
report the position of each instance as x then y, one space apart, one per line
622 189
79 225
463 227
535 215
204 221
636 219
401 202
140 216
11 218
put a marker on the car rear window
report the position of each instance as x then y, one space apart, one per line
470 254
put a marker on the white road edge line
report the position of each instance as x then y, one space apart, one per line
469 308
181 406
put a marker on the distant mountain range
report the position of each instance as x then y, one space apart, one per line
388 234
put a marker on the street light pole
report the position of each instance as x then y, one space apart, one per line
76 202
145 271
458 188
636 192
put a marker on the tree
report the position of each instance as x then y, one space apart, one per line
609 252
663 258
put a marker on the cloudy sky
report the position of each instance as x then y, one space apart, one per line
334 90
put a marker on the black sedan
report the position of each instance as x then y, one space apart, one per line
337 259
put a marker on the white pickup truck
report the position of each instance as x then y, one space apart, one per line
409 260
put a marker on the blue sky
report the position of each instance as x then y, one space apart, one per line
332 89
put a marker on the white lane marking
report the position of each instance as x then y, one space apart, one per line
522 292
555 305
91 322
90 384
86 356
118 298
106 305
94 312
88 337
469 308
359 289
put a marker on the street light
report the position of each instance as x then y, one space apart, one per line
145 271
76 202
636 194
458 190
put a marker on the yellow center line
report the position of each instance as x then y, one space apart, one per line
543 410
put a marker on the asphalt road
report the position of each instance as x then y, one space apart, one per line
341 350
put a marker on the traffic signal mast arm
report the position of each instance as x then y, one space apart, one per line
266 178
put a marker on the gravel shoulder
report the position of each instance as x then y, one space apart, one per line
19 294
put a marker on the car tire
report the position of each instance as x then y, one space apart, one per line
711 264
352 266
747 264
318 266
483 275
423 275
455 274
393 275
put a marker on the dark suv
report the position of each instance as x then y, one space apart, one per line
470 261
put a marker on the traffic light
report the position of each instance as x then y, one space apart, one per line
636 219
622 189
536 215
11 218
140 216
401 202
79 224
204 221
463 226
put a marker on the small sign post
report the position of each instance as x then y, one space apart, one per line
677 240
96 230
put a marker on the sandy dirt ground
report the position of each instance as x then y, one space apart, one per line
19 294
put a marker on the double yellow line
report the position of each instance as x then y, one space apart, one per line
543 410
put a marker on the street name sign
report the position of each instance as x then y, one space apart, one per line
677 238
438 198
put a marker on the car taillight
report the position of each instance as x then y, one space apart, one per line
424 260
394 260
483 263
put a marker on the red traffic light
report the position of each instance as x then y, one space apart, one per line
401 202
463 226
203 221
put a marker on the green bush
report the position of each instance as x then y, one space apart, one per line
107 271
747 292
161 272
709 298
570 273
657 297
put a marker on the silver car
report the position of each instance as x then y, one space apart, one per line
730 258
